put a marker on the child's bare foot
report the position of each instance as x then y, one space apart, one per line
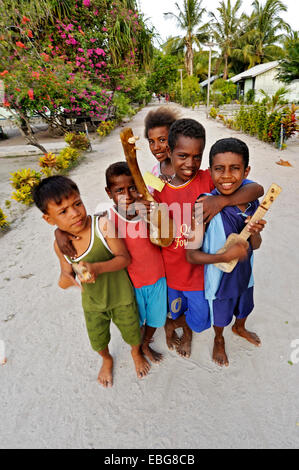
105 375
141 365
172 339
184 347
152 355
249 335
219 354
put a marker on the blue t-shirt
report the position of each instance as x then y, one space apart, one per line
219 284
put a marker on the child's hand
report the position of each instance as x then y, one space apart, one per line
90 271
64 242
165 178
211 205
255 227
143 207
239 250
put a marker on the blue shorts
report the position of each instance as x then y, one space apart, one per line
193 304
225 309
152 303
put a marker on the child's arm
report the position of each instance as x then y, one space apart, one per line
64 242
238 250
214 204
67 276
117 246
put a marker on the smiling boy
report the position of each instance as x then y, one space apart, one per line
187 304
229 294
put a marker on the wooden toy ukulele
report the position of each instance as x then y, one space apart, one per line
161 227
270 197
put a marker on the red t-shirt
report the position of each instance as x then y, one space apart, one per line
180 274
147 265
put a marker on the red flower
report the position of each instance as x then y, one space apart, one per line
25 20
29 33
4 72
20 44
45 56
31 94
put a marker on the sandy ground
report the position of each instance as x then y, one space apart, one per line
48 390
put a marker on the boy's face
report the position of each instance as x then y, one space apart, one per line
123 191
186 158
70 215
228 171
157 139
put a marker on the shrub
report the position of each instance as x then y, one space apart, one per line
3 221
67 157
213 112
192 93
78 141
223 92
24 181
105 128
123 108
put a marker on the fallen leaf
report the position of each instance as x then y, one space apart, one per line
283 163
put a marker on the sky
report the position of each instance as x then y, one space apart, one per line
154 9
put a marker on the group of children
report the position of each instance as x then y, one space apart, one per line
138 285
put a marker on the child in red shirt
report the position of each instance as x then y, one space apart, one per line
187 305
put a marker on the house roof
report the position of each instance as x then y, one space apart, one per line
254 71
212 79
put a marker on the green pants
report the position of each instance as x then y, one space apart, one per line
125 317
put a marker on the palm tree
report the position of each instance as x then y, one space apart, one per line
188 19
264 31
289 66
226 30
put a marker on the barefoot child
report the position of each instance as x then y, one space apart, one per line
107 294
157 125
187 304
229 294
146 269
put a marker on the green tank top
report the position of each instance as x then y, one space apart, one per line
110 290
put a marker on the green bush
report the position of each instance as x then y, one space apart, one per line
122 105
78 141
192 93
105 128
3 221
23 181
223 92
213 112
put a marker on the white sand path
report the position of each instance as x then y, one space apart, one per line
48 390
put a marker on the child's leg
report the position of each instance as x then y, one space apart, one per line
172 339
126 318
183 345
239 329
105 375
219 354
152 355
141 365
244 308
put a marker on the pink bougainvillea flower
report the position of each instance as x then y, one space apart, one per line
100 51
31 94
86 3
104 29
20 44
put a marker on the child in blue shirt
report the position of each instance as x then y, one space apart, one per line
229 294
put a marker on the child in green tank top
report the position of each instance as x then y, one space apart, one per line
107 293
